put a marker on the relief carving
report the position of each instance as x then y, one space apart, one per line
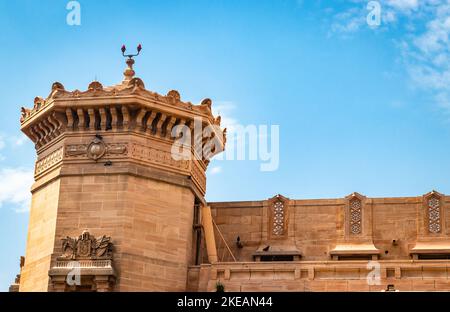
355 216
434 214
157 156
198 174
86 246
96 150
278 215
49 161
278 218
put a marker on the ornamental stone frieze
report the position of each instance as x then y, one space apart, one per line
96 149
49 161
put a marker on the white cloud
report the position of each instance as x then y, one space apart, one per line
15 186
7 141
424 42
216 170
19 140
354 17
2 142
404 5
2 146
349 21
426 54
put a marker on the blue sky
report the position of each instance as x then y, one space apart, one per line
359 108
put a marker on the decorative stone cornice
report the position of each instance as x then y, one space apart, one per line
124 124
133 87
124 107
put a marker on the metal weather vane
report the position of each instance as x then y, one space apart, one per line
129 72
139 48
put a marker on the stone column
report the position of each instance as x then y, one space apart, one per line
209 234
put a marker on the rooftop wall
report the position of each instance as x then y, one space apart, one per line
316 227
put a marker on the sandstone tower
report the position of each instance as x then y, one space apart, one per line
112 196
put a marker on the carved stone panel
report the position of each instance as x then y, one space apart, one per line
357 218
278 217
49 161
434 214
86 246
355 213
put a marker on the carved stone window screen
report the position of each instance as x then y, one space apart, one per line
278 218
434 214
355 216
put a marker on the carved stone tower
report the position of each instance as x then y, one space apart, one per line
116 197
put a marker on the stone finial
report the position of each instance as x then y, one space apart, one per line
95 85
129 72
174 94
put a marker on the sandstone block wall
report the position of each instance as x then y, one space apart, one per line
41 238
150 223
316 226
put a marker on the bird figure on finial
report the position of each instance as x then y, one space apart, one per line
129 72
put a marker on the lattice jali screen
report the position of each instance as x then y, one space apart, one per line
278 218
434 214
355 216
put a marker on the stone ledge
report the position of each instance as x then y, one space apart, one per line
430 248
86 267
355 250
125 168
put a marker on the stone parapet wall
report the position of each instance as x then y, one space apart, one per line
315 227
321 276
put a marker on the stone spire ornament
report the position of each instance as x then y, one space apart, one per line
129 72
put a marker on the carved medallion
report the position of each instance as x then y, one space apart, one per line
96 149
